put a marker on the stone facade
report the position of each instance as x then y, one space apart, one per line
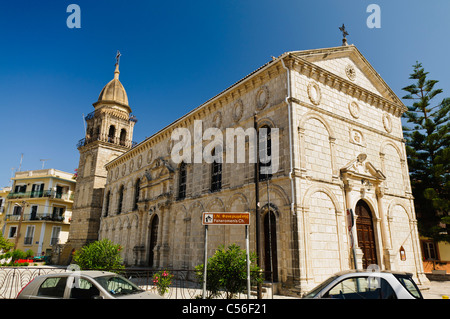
340 147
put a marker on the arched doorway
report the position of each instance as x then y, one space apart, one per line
153 240
270 247
366 234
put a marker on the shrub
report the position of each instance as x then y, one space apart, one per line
162 280
29 254
227 270
5 245
17 254
101 255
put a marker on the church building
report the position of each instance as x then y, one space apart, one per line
340 157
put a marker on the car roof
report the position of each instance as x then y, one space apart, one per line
366 271
88 273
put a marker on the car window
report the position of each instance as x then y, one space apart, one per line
53 287
362 288
83 289
319 288
117 285
409 284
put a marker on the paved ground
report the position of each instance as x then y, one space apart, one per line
436 290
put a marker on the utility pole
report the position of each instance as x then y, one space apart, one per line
22 208
257 212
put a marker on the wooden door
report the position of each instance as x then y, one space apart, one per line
365 232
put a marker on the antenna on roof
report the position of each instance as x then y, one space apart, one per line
12 176
20 165
84 123
43 161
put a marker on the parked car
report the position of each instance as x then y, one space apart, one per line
354 284
83 285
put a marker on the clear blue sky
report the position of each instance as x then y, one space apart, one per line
178 54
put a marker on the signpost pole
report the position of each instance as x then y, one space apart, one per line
205 262
247 248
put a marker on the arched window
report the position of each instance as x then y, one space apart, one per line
182 176
216 173
107 203
137 189
120 202
123 136
265 153
97 133
111 134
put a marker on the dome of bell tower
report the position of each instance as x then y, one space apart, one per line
113 93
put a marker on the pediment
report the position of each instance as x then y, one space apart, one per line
348 63
159 168
362 168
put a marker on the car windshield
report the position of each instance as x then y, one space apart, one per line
410 285
117 285
316 290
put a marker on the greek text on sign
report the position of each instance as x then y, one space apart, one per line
226 218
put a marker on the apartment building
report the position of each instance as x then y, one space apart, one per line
38 209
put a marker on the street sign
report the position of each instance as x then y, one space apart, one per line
226 218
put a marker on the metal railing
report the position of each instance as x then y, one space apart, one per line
184 283
40 194
104 138
35 216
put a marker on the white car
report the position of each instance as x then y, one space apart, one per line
83 285
354 284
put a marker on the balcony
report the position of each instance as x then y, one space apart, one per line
41 194
108 139
36 217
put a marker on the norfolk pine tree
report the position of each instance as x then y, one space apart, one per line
427 134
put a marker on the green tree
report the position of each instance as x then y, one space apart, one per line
101 255
227 271
427 135
5 245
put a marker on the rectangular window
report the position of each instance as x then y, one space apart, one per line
17 210
20 189
37 190
28 240
33 212
429 250
56 230
57 214
12 232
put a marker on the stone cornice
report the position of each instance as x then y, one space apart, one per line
250 82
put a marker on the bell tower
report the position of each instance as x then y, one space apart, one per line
109 133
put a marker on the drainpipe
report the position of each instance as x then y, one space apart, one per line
296 257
